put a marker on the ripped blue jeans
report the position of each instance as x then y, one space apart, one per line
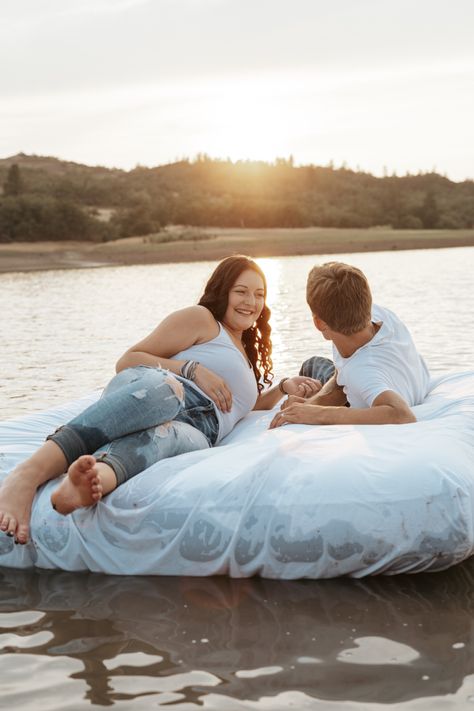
145 414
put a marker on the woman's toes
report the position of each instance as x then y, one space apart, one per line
12 525
22 534
87 461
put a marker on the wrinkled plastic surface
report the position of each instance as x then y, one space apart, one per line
296 502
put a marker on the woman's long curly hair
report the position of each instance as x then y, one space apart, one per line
256 339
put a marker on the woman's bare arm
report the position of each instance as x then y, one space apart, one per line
177 332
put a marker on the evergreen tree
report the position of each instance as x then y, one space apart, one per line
13 184
429 212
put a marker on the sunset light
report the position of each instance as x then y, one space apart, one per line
164 80
212 497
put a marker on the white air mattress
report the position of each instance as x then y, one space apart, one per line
296 502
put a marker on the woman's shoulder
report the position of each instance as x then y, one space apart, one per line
197 314
198 318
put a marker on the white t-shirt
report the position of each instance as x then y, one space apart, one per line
222 356
389 361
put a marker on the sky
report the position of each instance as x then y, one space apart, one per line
382 86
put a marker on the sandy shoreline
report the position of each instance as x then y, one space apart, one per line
211 244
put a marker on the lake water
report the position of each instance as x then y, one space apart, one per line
80 641
63 331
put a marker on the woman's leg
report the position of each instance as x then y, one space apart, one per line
19 488
91 477
135 399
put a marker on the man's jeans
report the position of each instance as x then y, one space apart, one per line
319 368
144 415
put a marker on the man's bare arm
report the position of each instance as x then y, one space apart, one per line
330 394
388 408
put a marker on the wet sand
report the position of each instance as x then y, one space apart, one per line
210 244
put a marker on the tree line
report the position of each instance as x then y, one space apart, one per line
47 199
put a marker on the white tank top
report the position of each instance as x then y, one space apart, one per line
222 356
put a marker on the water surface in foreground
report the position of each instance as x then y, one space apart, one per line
82 640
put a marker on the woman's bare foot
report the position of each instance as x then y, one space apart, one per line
19 488
16 497
81 487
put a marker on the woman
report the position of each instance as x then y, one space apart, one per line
182 388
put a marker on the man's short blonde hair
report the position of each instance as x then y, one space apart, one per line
339 294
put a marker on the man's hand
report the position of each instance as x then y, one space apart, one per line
299 413
292 400
388 408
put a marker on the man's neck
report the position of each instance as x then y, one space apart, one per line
348 345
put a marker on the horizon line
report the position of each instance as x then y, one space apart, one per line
203 156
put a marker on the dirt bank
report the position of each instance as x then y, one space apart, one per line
213 244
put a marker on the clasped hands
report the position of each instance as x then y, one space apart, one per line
297 409
298 389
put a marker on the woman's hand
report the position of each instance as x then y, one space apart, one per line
302 386
214 386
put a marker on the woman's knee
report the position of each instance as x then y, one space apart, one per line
120 380
159 391
147 379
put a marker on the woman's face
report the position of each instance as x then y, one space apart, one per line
246 301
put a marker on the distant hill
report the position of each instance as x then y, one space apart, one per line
42 193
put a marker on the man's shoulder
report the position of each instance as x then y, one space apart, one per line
392 329
379 313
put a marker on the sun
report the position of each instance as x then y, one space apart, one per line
245 124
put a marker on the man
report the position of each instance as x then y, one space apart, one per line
378 370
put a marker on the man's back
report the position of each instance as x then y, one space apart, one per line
389 361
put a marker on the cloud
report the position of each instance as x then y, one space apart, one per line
23 14
100 7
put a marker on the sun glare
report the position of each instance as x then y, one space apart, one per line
271 267
244 124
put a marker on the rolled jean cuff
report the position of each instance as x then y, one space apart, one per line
70 442
114 463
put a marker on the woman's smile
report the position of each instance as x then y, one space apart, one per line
246 301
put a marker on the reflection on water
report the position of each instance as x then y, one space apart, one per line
237 643
63 331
